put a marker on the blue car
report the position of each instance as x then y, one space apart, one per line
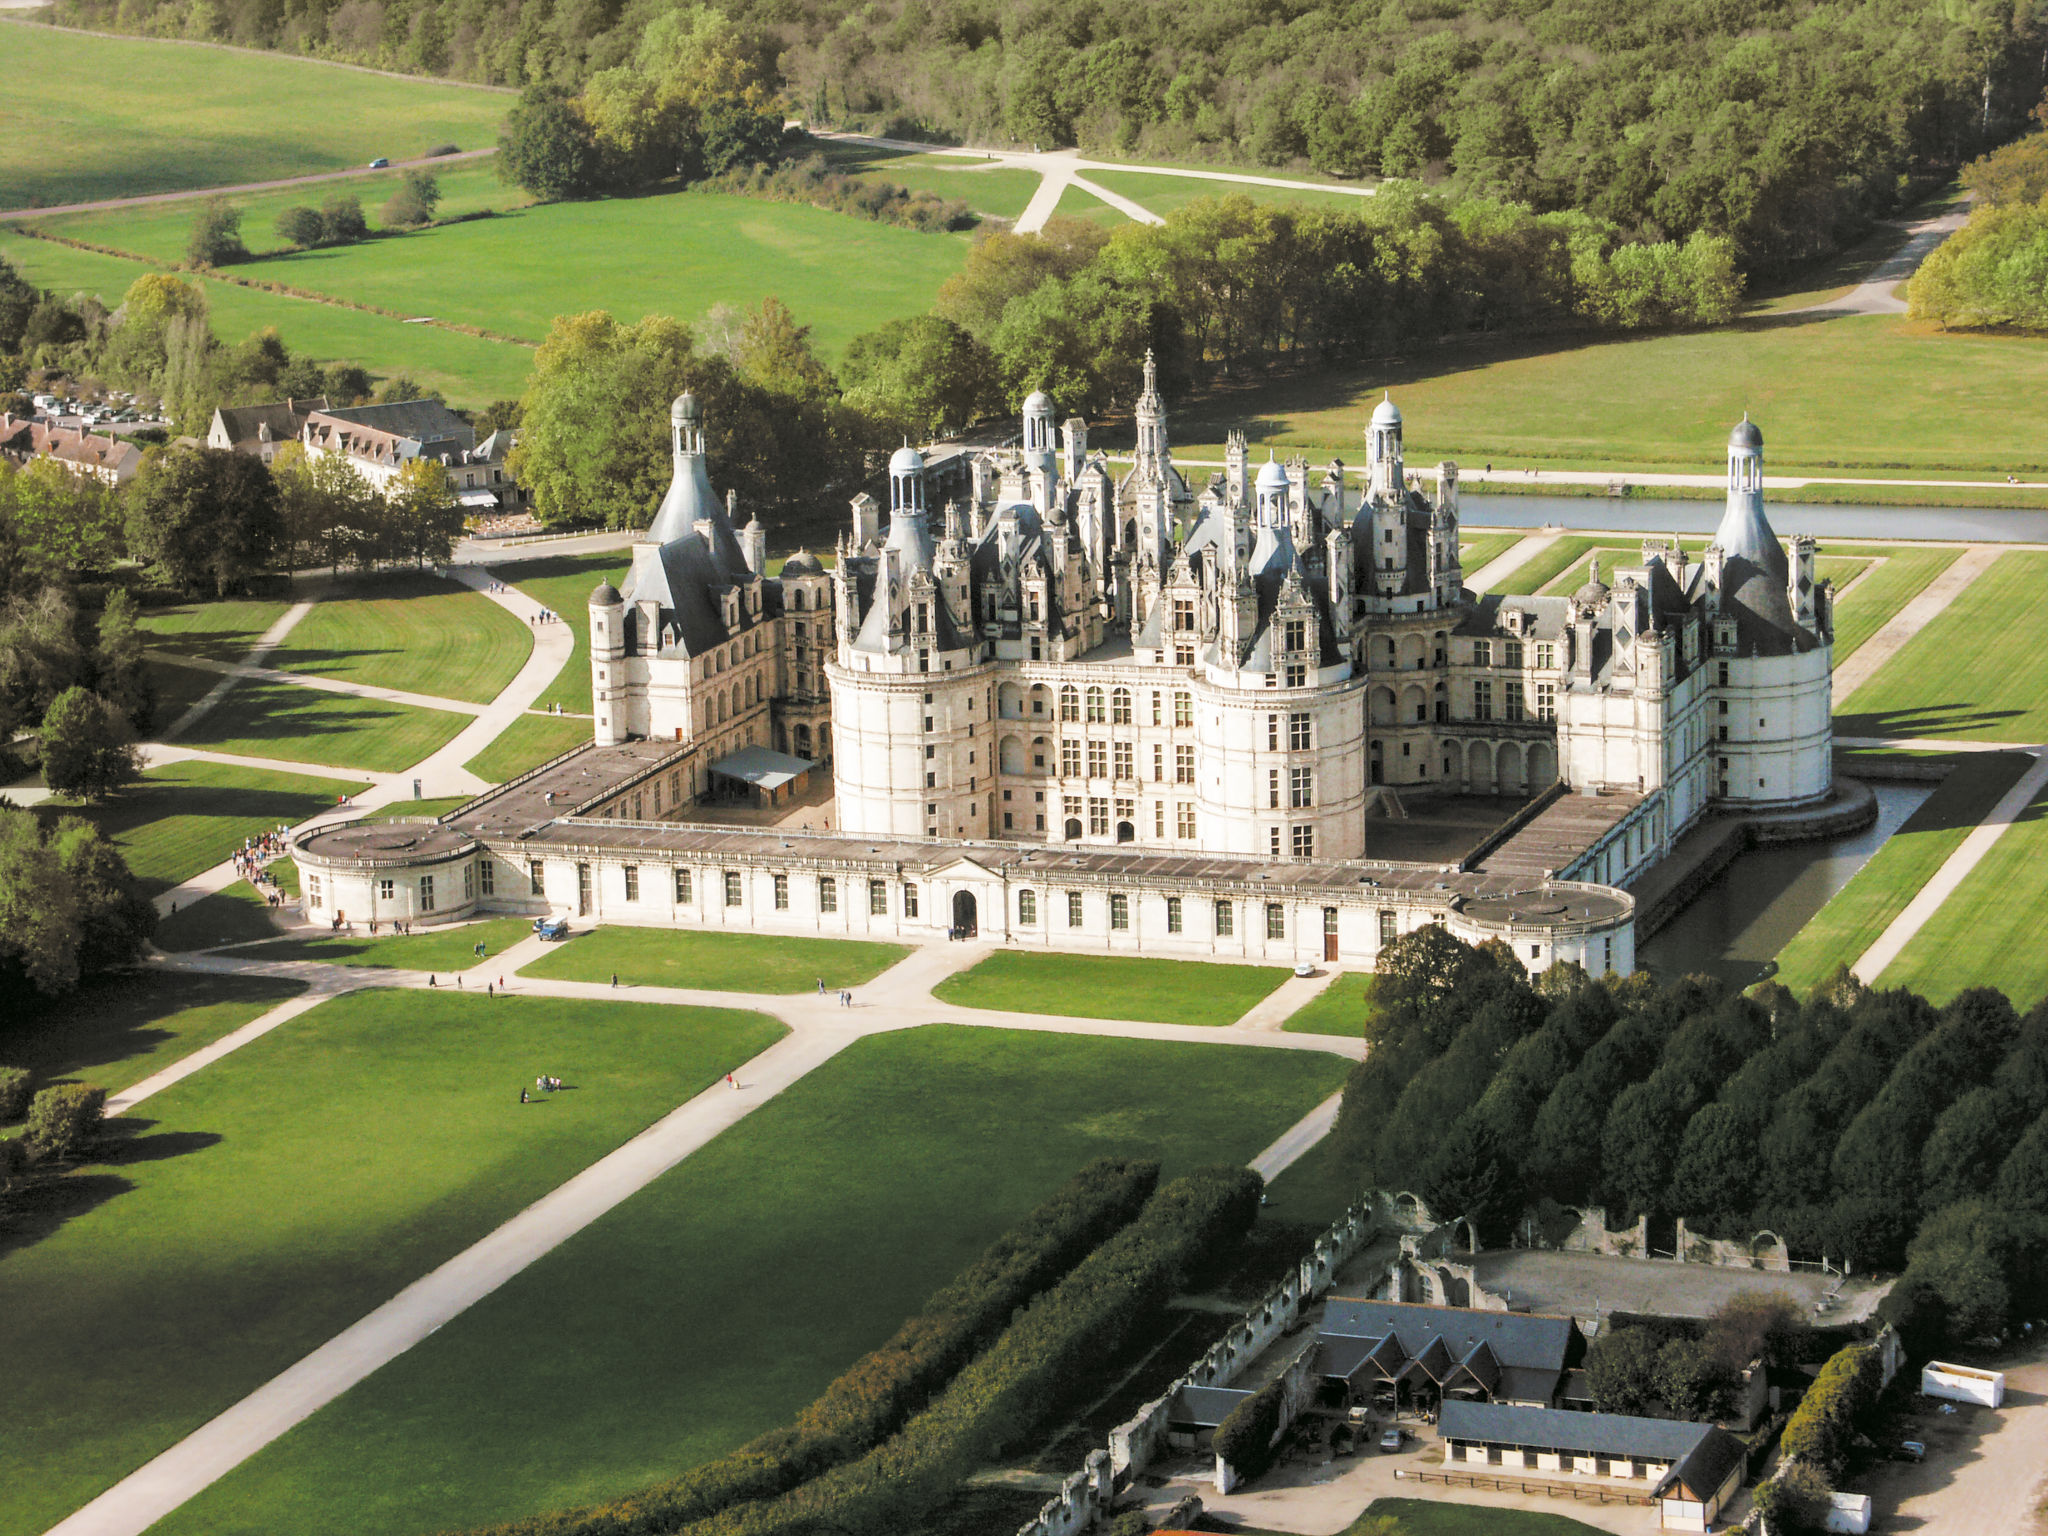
551 928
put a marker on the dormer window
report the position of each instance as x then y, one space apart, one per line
1297 634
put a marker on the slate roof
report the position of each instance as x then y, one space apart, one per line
285 418
1511 1354
1699 1455
1204 1407
422 421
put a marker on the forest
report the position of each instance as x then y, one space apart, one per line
1868 1127
1783 126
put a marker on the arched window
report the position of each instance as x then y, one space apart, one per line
1120 707
1095 706
796 599
1070 702
721 709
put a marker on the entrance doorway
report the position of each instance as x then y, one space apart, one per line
1330 933
1126 833
964 915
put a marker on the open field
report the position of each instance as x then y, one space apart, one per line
470 370
181 818
418 634
564 584
1905 572
1163 194
437 949
718 962
1860 912
530 741
1974 672
998 191
1341 1008
338 730
1988 934
221 631
719 1300
1861 393
235 915
160 1284
121 1030
158 231
1112 987
204 117
1480 550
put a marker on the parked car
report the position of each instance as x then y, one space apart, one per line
549 929
1391 1437
1910 1450
379 163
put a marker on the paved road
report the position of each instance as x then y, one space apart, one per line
246 186
1510 560
1874 295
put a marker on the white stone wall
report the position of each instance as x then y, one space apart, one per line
1246 760
1780 743
914 753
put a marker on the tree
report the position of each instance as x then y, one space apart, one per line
301 226
15 1083
39 929
1797 1500
736 136
88 750
342 221
115 918
40 655
216 235
413 203
774 351
63 524
1621 1368
207 517
547 148
1751 1327
424 516
922 375
2014 174
120 675
63 1120
1690 1379
18 300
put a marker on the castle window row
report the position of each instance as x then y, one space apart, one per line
1223 914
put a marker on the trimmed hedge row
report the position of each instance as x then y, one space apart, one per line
1245 1437
1823 1426
871 1399
1048 1355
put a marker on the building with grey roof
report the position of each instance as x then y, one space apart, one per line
1422 1353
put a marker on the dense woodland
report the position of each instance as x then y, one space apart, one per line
1994 271
1781 125
1869 1127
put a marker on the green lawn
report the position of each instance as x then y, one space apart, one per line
437 949
1988 934
1481 550
262 1205
997 190
530 741
1079 203
1905 571
675 253
177 690
222 631
410 810
338 730
236 915
1112 987
158 231
121 1030
1860 912
181 818
419 634
718 1301
1975 672
1862 394
1341 1008
564 584
1582 553
98 117
1163 194
1447 1517
715 961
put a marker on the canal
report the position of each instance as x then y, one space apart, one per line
1736 925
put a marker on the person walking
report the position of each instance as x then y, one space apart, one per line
615 978
431 981
522 1096
730 1081
821 986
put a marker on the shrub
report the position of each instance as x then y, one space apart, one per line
63 1119
413 203
813 181
14 1083
1796 1500
1245 1439
216 234
872 1398
1824 1424
342 221
301 226
442 149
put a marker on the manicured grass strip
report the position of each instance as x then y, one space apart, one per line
181 818
418 634
221 631
1444 1517
1988 934
264 1204
564 584
1975 672
1001 191
412 810
177 690
338 730
1904 574
530 741
119 1031
1482 550
716 962
1859 913
1341 1008
699 1313
1078 203
1612 557
1112 987
115 117
1163 194
237 915
1537 572
437 949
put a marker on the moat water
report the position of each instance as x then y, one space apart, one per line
1737 925
1982 525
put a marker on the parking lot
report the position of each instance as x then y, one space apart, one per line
1986 1472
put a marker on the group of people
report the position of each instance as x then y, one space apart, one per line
252 861
544 1083
546 616
845 997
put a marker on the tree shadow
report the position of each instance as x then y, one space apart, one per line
47 1197
126 1143
1957 719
